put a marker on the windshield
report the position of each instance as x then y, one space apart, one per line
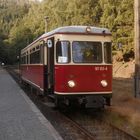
107 52
87 52
63 51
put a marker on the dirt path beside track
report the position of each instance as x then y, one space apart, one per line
125 106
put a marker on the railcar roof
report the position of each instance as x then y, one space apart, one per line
77 29
73 30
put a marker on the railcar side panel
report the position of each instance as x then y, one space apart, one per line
34 74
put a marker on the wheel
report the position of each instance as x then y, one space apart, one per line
60 105
108 101
57 102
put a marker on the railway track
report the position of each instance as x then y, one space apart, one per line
77 124
101 130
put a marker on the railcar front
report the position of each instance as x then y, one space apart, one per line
83 69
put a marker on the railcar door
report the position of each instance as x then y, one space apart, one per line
50 65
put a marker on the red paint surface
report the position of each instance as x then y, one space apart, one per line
33 73
87 78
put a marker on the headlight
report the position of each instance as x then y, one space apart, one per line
71 83
104 83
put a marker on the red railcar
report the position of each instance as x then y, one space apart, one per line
72 63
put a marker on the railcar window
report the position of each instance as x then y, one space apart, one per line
107 52
87 52
35 57
41 54
63 52
23 60
27 58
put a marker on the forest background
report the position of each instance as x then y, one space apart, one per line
22 21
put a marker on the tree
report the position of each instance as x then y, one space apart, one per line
21 22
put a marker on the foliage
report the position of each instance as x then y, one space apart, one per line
11 12
23 21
